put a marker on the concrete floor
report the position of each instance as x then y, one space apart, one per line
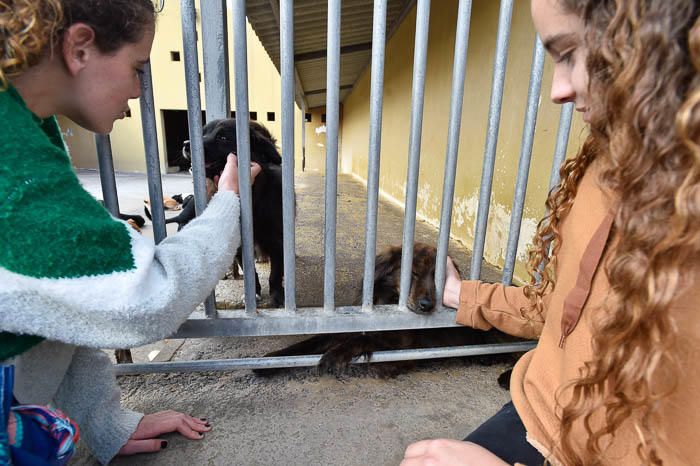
299 418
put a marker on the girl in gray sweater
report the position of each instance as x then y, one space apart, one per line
72 278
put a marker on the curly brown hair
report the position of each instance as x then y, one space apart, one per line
29 27
643 62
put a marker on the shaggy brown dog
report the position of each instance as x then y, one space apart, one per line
339 350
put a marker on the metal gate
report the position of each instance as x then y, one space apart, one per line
329 318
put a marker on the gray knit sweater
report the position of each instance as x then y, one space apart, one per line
82 280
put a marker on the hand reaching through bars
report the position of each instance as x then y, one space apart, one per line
228 181
453 285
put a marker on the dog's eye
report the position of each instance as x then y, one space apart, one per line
222 138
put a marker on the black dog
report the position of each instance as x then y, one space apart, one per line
339 350
219 139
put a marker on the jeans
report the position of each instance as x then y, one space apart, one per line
504 435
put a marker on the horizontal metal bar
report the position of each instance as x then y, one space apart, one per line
306 321
312 360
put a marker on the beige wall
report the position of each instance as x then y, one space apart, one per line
396 124
169 94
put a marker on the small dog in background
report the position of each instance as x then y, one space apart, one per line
339 350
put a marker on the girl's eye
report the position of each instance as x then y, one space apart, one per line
566 57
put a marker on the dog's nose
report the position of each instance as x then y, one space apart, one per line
425 304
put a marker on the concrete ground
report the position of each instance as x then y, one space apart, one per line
298 417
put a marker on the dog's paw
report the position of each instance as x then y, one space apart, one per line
277 298
336 361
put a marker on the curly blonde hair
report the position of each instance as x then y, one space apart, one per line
643 62
26 28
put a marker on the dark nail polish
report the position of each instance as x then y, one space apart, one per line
204 419
163 444
207 425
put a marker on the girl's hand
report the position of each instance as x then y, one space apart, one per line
228 181
444 452
145 438
453 285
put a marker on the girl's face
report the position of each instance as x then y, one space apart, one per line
563 36
105 83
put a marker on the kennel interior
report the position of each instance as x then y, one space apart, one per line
330 318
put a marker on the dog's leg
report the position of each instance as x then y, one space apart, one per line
123 356
338 357
318 344
258 288
276 277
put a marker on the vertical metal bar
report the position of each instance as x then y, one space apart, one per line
288 196
194 120
375 142
499 74
332 117
417 94
240 65
459 71
533 98
150 142
107 178
215 60
567 111
303 137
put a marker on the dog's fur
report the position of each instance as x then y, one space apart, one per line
339 350
219 138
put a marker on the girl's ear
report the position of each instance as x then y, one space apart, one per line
78 46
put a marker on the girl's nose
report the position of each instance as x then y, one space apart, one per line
562 89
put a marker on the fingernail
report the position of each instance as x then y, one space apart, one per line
203 419
163 444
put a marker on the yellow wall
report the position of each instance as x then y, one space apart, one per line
264 95
396 124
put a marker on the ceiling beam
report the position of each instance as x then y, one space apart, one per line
315 55
323 91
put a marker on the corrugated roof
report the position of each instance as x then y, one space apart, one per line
310 22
